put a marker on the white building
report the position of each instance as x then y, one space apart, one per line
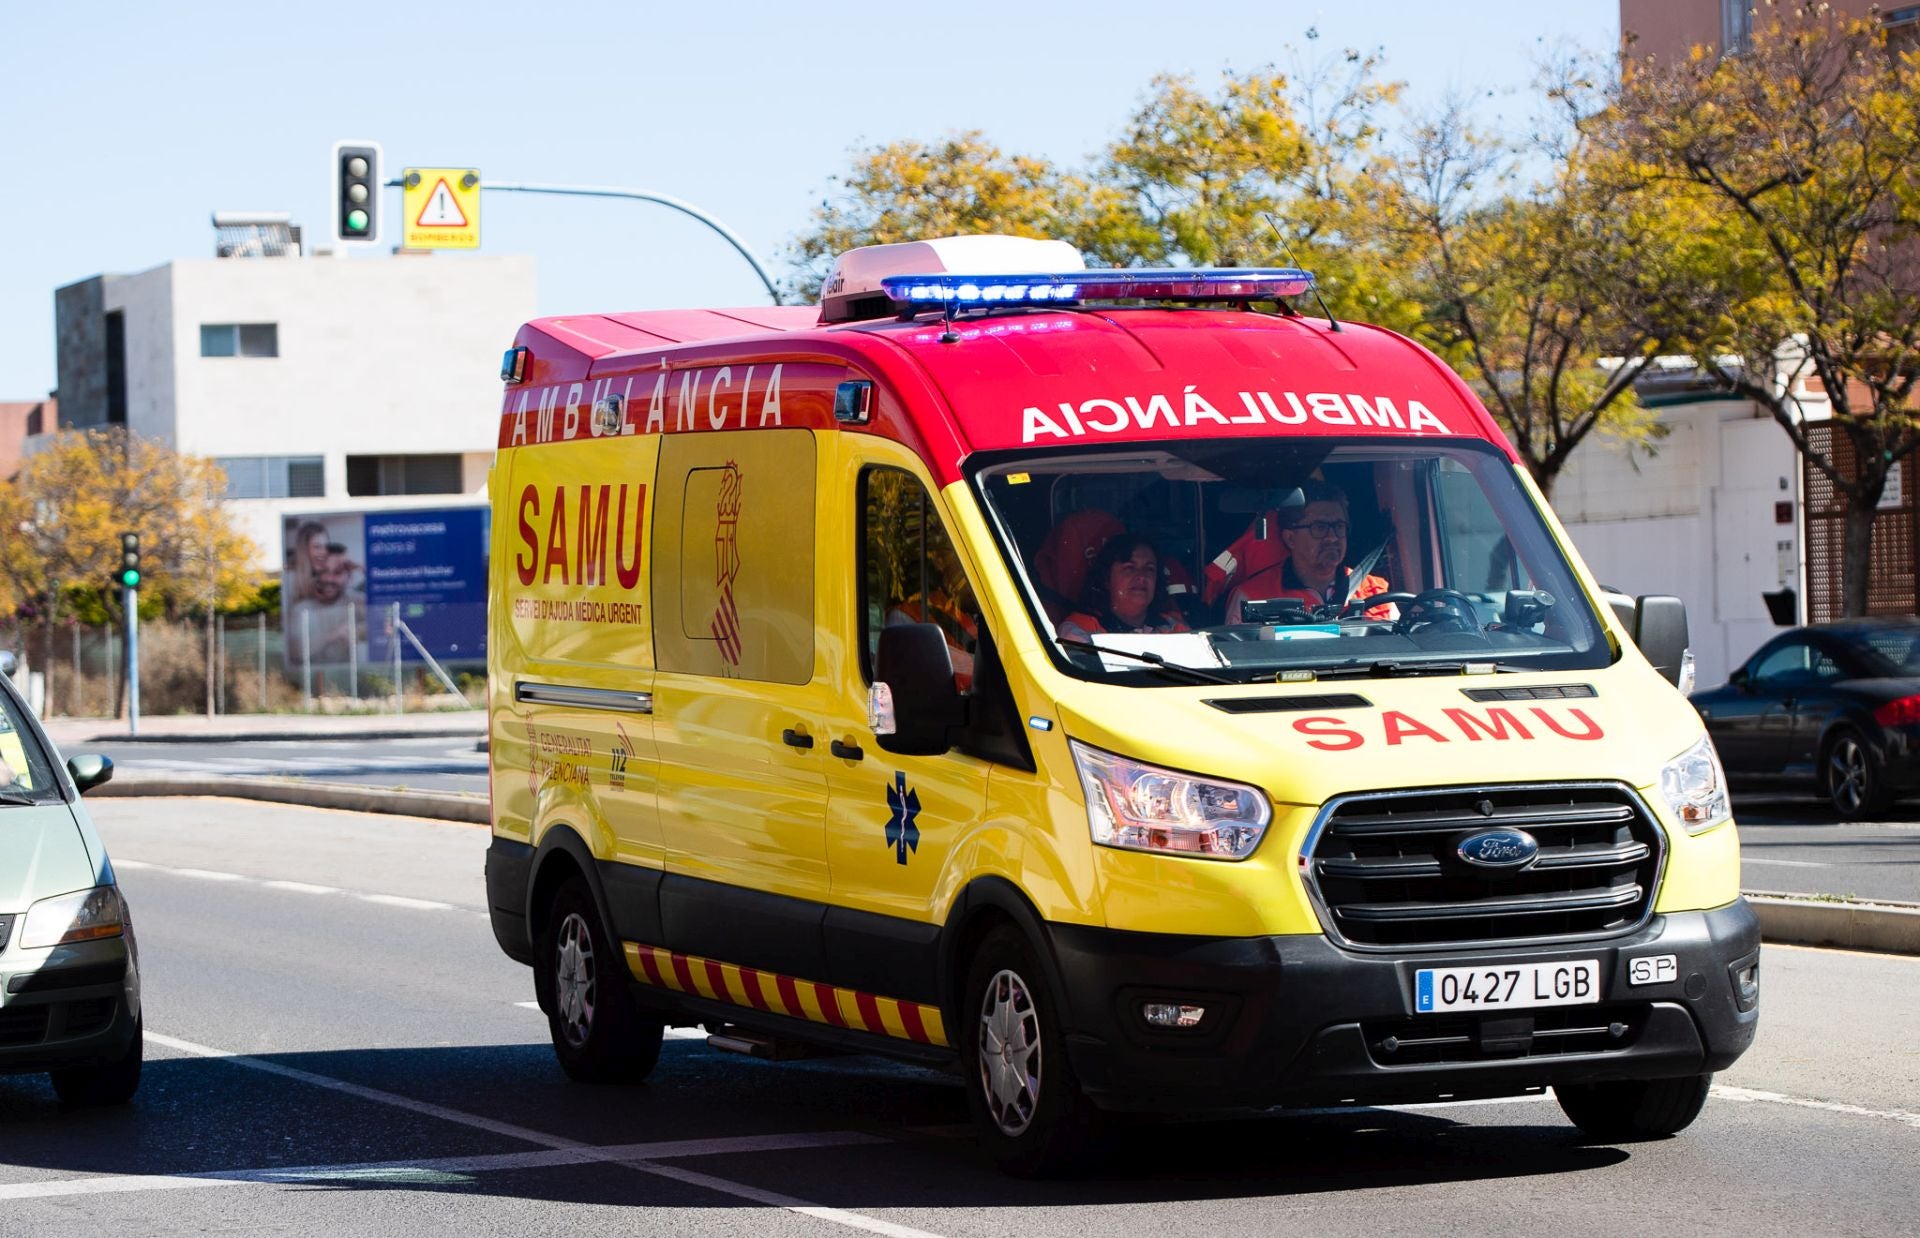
318 383
1712 515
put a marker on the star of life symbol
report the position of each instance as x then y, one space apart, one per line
902 834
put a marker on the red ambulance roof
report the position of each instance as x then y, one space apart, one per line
1033 379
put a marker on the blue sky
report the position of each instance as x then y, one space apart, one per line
129 123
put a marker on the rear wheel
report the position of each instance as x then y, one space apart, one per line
599 1034
111 1083
1027 1106
1634 1108
1853 780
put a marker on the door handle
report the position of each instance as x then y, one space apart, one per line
796 739
846 752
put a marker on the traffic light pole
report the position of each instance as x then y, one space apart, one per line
641 195
132 599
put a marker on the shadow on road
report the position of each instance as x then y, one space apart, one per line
212 1117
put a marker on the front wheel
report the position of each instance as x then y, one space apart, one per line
1027 1106
1634 1108
599 1034
1854 784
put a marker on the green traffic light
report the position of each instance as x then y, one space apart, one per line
130 578
356 221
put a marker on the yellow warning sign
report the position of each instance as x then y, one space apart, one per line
441 208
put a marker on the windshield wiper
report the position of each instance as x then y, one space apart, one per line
1193 673
19 797
1388 669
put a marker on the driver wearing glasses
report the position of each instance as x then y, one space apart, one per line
1314 569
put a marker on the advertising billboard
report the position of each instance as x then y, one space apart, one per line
345 572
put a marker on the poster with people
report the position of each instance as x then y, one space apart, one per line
323 590
345 574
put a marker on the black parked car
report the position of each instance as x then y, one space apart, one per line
1835 708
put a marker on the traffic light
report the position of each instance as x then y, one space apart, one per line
129 574
356 193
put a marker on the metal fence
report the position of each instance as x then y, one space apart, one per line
239 664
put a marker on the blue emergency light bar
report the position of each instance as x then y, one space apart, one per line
1165 284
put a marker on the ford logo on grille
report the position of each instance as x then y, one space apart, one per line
1501 849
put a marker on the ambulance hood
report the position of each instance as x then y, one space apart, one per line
1306 743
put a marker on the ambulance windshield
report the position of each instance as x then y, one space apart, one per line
1297 559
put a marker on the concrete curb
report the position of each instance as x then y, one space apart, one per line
1882 927
1784 918
438 805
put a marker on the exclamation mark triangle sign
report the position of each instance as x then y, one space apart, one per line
442 209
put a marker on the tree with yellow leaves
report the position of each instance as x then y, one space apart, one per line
62 516
1804 152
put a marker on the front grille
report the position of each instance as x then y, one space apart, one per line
1386 875
1556 1032
23 1025
6 930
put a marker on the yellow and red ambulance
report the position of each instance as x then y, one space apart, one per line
1122 686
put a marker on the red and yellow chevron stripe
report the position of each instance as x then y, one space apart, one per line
798 999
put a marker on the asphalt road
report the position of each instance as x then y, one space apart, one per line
1792 845
336 1044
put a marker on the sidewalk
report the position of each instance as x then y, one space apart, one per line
73 734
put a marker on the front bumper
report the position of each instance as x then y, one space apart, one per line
75 1006
1298 1021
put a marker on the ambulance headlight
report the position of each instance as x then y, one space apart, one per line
1695 787
1143 807
84 915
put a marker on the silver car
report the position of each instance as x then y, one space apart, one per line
69 969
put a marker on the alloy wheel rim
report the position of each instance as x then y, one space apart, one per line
1009 1052
573 979
1847 775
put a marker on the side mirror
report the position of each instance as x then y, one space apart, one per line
89 770
9 662
1660 629
1740 678
913 704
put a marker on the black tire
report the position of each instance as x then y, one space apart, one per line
599 1034
1027 1107
111 1083
1634 1109
1850 774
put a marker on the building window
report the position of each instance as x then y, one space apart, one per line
116 368
274 477
241 339
376 475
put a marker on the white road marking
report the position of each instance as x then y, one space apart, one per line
298 887
445 1168
1799 1102
586 1152
401 900
1754 859
301 887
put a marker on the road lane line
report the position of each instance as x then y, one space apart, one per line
206 874
1828 1106
405 1170
301 887
401 900
723 1186
1754 859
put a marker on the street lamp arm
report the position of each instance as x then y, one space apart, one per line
641 195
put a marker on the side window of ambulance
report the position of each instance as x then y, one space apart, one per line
909 572
733 555
1478 557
